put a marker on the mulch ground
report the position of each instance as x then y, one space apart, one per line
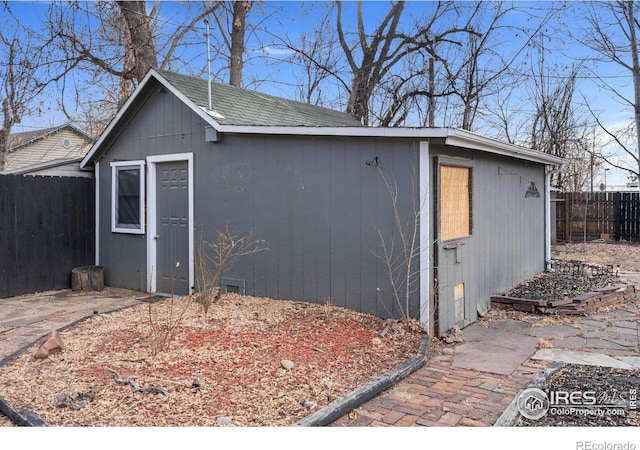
248 362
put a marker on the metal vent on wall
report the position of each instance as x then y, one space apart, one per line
232 286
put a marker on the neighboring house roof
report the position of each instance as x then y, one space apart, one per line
32 148
68 166
240 111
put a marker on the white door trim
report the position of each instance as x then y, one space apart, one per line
152 161
96 174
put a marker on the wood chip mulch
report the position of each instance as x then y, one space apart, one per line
167 364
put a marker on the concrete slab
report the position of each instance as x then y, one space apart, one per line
575 357
492 350
609 344
569 342
554 331
633 361
26 318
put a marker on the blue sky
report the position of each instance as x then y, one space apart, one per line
294 18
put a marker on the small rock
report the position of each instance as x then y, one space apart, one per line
224 420
51 343
327 384
454 336
309 405
287 364
376 341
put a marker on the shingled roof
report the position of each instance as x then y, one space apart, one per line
238 106
242 111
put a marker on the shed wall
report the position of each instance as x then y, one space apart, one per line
314 200
320 206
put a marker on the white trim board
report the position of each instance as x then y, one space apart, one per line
425 235
97 213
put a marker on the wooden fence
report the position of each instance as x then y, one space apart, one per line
46 229
587 216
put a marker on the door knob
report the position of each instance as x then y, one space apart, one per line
156 237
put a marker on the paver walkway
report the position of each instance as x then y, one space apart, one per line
472 383
26 318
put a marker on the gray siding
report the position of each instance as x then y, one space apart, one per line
314 200
316 203
162 126
507 241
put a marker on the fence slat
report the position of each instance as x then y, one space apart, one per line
40 240
588 216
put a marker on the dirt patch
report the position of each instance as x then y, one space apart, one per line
227 368
621 255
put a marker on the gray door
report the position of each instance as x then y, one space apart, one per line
172 232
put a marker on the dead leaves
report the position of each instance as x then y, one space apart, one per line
234 353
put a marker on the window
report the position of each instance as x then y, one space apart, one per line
455 202
128 197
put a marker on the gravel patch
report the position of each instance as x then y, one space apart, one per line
602 397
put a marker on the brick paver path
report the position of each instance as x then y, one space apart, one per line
442 395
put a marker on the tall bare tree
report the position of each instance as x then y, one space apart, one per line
140 37
558 125
24 75
612 36
236 53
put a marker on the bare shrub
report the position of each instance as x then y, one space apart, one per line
213 259
164 318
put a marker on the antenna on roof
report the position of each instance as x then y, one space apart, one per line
206 21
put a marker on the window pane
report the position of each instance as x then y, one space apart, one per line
455 202
129 197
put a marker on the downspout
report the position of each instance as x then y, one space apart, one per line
547 217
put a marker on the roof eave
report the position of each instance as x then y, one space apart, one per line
452 136
94 151
41 166
462 138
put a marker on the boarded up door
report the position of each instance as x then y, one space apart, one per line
455 305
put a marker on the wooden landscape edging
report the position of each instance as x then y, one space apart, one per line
580 305
349 402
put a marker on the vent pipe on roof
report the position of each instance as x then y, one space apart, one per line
206 21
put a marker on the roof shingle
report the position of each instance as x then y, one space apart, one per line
239 106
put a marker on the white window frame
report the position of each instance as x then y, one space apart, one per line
125 165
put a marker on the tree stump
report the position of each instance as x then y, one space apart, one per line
87 278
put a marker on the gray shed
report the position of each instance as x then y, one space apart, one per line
332 198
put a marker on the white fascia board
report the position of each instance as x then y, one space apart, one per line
452 136
466 139
132 99
201 112
424 133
